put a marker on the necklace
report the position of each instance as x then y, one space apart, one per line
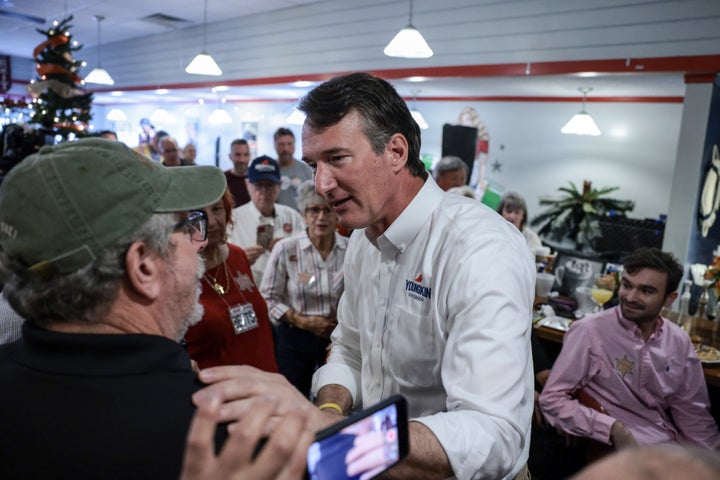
215 284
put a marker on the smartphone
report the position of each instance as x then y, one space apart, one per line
264 235
363 445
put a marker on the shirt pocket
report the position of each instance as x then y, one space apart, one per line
413 352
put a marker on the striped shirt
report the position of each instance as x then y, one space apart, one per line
298 278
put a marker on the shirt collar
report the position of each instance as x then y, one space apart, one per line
407 225
632 326
260 216
306 243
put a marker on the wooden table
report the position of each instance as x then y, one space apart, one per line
699 329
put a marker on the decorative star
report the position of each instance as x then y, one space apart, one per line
244 282
497 166
624 365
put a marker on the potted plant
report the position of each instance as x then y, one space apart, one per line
576 215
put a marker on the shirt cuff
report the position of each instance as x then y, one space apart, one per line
337 374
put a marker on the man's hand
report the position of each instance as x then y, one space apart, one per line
320 326
621 436
282 457
253 253
238 385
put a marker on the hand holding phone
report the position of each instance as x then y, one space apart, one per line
363 445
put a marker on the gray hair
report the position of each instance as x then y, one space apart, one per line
87 294
449 163
307 195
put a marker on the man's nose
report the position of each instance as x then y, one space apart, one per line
324 180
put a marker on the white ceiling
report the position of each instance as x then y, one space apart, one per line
124 21
123 18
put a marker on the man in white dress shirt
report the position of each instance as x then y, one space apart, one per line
437 303
260 223
438 291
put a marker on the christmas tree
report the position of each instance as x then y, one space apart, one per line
60 104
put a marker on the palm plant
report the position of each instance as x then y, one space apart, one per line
576 215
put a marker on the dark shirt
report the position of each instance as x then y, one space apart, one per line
93 406
237 188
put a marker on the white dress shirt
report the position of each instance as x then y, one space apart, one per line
247 218
439 310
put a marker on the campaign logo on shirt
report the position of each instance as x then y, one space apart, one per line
416 290
287 227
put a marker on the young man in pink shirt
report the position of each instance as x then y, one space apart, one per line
639 366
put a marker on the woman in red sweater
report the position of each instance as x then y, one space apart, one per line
235 329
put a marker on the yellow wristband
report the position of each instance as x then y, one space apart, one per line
334 406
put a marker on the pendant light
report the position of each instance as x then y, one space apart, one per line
203 63
220 116
296 117
416 115
408 43
98 74
582 123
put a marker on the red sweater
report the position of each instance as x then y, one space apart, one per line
213 341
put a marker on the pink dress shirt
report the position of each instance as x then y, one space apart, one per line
655 388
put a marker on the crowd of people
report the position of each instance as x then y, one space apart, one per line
192 323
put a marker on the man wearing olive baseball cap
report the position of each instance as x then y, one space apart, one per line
98 252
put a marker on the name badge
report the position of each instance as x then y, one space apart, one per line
243 318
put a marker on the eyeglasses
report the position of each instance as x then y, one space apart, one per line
315 211
195 225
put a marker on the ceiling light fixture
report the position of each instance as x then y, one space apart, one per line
416 115
296 117
98 74
582 123
116 115
408 43
203 63
220 115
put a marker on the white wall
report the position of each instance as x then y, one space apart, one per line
525 139
536 158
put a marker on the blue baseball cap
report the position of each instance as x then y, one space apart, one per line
264 168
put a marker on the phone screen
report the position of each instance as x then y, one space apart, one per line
363 445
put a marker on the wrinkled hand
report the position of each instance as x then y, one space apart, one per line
621 436
238 385
253 252
367 456
320 326
283 456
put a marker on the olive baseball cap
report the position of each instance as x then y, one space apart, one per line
60 207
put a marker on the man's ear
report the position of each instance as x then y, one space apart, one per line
397 149
670 299
143 270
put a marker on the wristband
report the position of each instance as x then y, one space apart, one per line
333 406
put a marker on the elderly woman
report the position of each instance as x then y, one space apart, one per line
302 284
513 209
235 329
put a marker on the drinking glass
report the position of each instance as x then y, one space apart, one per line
603 289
